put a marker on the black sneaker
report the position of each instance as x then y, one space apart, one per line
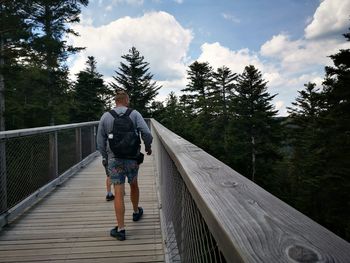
120 235
110 197
137 216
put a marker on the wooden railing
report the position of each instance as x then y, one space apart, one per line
209 212
34 161
248 223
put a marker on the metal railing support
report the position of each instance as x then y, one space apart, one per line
78 150
53 159
3 177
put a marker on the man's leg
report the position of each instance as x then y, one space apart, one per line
119 206
108 185
135 194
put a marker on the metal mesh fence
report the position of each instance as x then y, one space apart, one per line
86 133
33 158
66 149
27 166
188 238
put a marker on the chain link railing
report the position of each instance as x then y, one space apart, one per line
32 158
188 238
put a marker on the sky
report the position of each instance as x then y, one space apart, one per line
289 41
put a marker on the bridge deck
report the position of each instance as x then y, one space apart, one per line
72 224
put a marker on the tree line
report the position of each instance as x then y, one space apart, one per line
302 159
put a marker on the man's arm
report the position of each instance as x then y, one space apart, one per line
102 138
145 132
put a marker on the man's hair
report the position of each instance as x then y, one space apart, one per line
121 96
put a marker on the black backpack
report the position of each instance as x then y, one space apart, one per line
123 141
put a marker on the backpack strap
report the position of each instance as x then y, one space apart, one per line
115 115
128 111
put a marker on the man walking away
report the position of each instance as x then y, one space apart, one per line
118 142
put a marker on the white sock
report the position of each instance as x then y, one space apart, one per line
109 193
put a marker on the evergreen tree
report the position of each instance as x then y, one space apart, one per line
335 144
255 129
137 81
200 76
223 89
91 97
157 110
221 96
197 102
304 138
173 114
15 34
51 19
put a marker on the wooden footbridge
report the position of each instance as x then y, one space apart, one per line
72 224
53 208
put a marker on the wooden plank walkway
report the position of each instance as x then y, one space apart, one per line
72 224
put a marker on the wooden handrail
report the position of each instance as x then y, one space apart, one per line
32 131
248 223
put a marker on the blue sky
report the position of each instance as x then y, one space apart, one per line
287 40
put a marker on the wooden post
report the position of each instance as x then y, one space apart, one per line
53 161
78 152
93 138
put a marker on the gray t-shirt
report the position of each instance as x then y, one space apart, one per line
105 126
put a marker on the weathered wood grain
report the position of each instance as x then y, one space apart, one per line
72 224
248 223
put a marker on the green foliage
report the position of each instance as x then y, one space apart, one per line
50 19
15 36
320 140
37 83
89 94
137 81
255 130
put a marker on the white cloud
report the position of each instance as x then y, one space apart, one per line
279 46
175 85
157 35
129 2
280 106
231 18
218 56
179 1
301 54
330 18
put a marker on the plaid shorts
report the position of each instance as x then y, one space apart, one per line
119 169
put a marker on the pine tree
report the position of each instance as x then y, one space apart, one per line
15 35
335 144
91 96
223 89
135 78
51 19
255 130
197 102
304 138
200 76
220 99
173 114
